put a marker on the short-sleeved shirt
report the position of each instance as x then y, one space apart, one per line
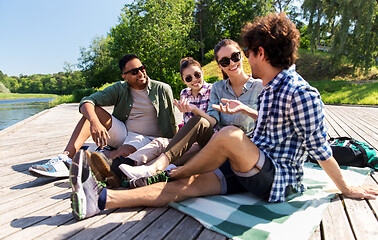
201 100
290 125
223 89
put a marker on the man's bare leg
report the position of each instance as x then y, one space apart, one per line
161 194
124 151
229 143
82 131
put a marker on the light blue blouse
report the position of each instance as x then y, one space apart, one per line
223 89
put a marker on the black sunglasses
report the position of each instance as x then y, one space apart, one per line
135 71
189 78
246 52
225 61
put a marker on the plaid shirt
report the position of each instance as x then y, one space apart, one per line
201 101
290 125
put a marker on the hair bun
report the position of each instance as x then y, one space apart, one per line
185 59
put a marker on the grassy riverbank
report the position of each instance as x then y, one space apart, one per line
337 85
4 96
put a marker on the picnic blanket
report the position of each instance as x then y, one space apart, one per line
243 216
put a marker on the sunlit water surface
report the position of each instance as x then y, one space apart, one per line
13 111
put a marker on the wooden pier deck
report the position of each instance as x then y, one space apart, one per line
39 208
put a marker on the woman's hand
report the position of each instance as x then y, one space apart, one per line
184 105
231 107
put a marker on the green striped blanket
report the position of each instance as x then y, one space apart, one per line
242 216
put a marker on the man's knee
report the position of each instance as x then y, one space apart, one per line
104 117
124 151
230 133
200 122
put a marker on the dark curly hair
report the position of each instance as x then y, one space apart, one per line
277 35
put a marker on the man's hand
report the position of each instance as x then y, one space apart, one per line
231 107
331 167
360 192
99 134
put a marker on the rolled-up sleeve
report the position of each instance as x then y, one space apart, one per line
308 116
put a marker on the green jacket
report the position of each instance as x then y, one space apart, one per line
119 95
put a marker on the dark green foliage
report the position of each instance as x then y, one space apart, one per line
78 94
318 67
349 28
212 79
219 19
58 83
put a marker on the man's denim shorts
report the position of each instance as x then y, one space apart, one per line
257 181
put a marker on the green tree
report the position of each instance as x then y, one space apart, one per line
96 62
350 27
158 32
219 19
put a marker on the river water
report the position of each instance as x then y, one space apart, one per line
13 111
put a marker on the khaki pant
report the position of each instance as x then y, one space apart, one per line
181 147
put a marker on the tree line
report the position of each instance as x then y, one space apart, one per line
161 32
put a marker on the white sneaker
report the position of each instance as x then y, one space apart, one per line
170 167
135 172
55 167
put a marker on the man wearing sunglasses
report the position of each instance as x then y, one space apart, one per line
143 110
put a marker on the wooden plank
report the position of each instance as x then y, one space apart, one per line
331 130
189 228
361 130
317 233
72 227
29 207
207 234
162 226
368 115
28 188
34 198
107 224
39 222
332 119
335 222
340 122
137 224
374 202
364 224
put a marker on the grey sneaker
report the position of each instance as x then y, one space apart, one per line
85 188
144 181
101 167
57 167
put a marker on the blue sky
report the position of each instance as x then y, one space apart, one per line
38 36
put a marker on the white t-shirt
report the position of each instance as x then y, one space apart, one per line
143 117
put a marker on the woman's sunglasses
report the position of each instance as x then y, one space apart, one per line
135 71
225 61
189 78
